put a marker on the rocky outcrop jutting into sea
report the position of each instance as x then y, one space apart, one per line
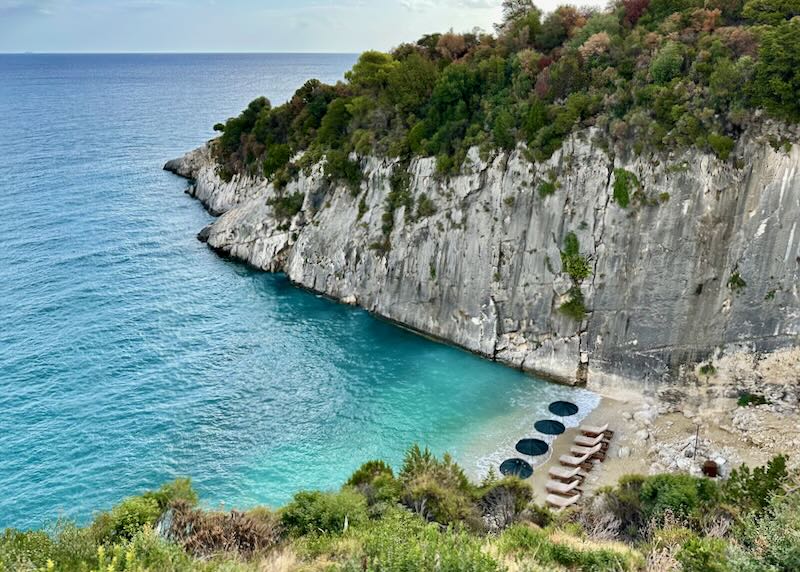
703 263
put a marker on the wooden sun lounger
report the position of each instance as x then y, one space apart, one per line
592 430
572 461
564 473
561 488
559 502
585 441
577 450
585 450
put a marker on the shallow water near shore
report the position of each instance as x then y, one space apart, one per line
131 354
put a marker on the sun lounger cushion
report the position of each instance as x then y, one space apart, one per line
562 502
593 430
585 441
585 450
572 461
561 488
563 472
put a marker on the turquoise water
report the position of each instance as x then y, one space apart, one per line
130 354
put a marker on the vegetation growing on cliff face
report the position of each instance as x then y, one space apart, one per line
625 183
429 517
577 266
660 73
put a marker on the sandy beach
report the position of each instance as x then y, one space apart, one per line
609 411
646 441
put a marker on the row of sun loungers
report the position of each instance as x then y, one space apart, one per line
591 444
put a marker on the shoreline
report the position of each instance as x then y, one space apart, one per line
495 440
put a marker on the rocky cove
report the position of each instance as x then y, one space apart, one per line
692 295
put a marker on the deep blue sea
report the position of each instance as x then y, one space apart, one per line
131 354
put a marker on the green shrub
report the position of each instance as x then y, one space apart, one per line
368 472
421 463
28 550
624 183
547 188
747 398
703 555
502 501
362 208
683 495
777 72
340 167
572 262
177 490
326 513
503 130
425 206
722 145
287 206
624 503
521 541
772 12
577 266
126 519
771 541
276 157
334 124
437 489
668 63
399 196
708 369
133 514
575 306
401 542
752 490
736 282
375 480
437 502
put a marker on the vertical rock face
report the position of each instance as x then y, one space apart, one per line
704 260
217 195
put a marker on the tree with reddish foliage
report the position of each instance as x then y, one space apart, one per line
572 18
544 62
634 10
452 46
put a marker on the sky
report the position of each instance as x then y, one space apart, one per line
344 26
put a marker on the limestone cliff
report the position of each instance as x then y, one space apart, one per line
703 263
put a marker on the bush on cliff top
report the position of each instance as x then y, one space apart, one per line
655 72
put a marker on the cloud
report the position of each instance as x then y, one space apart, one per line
50 7
10 8
422 5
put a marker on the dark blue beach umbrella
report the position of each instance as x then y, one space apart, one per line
549 427
563 408
517 468
532 447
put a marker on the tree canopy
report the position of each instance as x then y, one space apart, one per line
650 73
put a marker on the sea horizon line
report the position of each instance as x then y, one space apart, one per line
176 53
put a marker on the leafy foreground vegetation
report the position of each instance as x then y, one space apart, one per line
430 517
648 74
